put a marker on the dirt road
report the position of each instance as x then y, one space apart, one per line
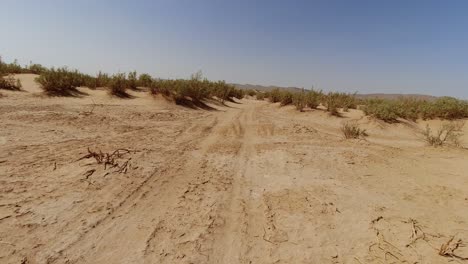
247 183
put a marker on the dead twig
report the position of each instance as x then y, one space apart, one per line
377 219
124 166
448 249
109 160
89 173
86 113
416 232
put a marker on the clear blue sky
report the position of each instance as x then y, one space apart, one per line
366 46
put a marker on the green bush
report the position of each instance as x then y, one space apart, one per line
102 80
286 98
145 80
36 68
333 101
60 82
118 85
445 108
275 95
411 109
195 90
132 80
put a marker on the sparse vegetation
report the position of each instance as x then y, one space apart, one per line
351 130
448 134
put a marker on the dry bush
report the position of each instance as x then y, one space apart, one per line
110 160
10 83
448 134
352 130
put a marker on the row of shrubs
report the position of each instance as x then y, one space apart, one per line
312 99
64 82
385 109
16 68
411 109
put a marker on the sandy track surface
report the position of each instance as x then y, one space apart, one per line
248 183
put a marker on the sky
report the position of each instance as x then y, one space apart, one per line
351 46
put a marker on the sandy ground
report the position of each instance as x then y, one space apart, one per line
249 182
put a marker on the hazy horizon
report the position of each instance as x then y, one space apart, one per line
364 46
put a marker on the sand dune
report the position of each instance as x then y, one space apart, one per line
250 182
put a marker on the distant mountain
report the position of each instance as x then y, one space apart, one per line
362 96
264 88
396 96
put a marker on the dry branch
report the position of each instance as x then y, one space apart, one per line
109 160
448 249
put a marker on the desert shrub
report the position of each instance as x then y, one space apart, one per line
286 98
221 90
300 101
352 130
10 83
274 95
448 133
390 110
250 92
332 103
12 68
260 96
36 68
118 85
385 110
313 99
102 79
144 80
132 81
445 108
60 82
195 90
304 99
161 87
236 93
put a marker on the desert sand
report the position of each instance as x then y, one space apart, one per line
248 182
